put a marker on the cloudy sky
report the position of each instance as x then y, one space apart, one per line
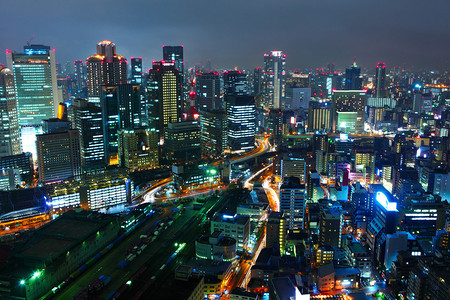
236 33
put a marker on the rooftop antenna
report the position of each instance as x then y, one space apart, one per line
28 41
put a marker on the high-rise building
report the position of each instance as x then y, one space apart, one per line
235 83
175 54
276 231
353 80
348 111
292 202
182 141
213 125
138 149
274 78
293 167
319 116
380 81
208 91
257 81
86 117
80 74
330 227
58 156
35 82
136 70
121 110
241 122
275 126
104 68
163 96
9 123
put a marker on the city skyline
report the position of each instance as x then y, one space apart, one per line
236 35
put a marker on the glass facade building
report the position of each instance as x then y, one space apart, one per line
241 122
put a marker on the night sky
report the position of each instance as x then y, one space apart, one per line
236 33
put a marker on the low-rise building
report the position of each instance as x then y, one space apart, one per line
216 247
359 258
236 227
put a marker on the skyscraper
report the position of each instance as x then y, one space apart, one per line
182 141
348 111
9 123
35 82
213 126
235 83
274 78
87 119
138 149
241 122
80 74
163 96
292 202
136 70
353 80
175 54
208 91
104 68
121 110
381 91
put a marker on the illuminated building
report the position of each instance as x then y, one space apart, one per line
163 96
241 122
86 117
380 81
324 255
9 179
274 78
35 82
330 227
332 277
281 288
319 116
353 79
275 126
381 102
104 68
138 149
293 167
365 161
175 54
257 81
121 110
182 141
194 178
59 156
208 91
80 74
22 162
213 126
136 70
235 83
400 241
297 98
276 231
215 247
236 227
359 258
422 103
9 123
292 202
55 251
348 111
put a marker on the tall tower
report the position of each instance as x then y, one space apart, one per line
163 96
80 74
175 54
9 123
104 68
292 202
208 91
241 122
274 78
35 82
381 91
353 80
235 83
136 70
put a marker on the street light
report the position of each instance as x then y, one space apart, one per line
22 282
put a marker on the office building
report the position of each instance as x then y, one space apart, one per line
319 116
292 202
241 122
330 227
104 68
163 96
182 141
136 70
348 111
353 79
208 91
275 126
35 83
80 74
274 78
175 54
216 247
121 110
59 156
86 117
297 98
213 125
293 167
235 83
380 81
9 122
276 231
400 241
236 227
22 162
138 149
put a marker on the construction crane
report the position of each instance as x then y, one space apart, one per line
28 41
